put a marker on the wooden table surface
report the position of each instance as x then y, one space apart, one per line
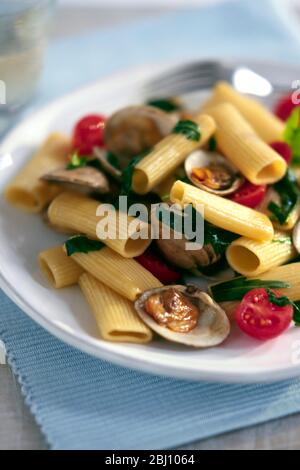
17 427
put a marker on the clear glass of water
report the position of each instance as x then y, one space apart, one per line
23 35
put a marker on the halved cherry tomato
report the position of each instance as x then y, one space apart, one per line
258 317
249 194
153 263
88 133
283 149
285 106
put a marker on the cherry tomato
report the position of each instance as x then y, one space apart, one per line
89 132
283 149
249 194
153 263
258 317
285 106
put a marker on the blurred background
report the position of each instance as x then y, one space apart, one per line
82 12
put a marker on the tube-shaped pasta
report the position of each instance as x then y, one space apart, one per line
255 159
27 190
224 213
168 154
290 273
79 213
125 276
115 316
60 269
263 121
251 257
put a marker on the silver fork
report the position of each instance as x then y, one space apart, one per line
202 75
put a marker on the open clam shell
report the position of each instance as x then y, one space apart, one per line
212 328
224 178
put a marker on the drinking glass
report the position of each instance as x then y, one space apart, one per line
23 36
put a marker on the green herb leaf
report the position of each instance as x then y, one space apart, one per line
126 179
212 144
113 160
296 316
168 105
285 240
189 129
82 244
289 195
235 289
217 237
77 161
292 135
282 301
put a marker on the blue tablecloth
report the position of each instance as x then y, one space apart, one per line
84 403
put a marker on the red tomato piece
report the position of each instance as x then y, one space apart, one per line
249 194
258 317
285 106
88 133
283 149
153 263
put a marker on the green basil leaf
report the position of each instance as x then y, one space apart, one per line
113 160
82 244
296 316
212 144
235 289
288 192
189 129
282 302
126 179
168 105
77 161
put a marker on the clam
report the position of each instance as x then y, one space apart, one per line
212 172
85 179
184 314
174 248
134 129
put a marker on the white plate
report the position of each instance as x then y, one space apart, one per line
64 313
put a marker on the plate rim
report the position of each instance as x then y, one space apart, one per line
103 350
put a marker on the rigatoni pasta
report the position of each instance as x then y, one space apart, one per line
251 257
125 276
237 140
266 124
224 213
60 269
168 154
27 190
79 213
115 316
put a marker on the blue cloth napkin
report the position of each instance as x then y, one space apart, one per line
84 403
